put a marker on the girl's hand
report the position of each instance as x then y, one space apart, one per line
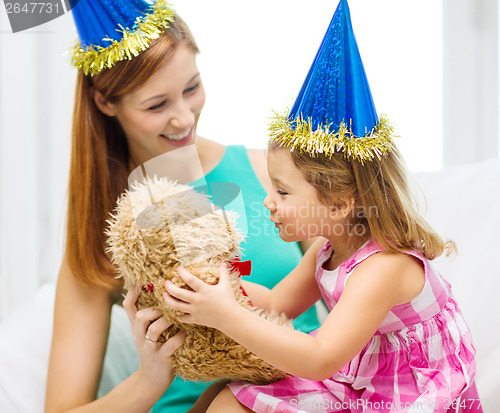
207 304
147 325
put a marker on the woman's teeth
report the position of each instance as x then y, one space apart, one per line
176 137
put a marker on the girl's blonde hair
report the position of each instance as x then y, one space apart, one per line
383 199
100 161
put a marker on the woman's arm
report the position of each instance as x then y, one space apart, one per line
81 325
372 290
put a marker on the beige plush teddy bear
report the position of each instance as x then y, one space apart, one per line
159 225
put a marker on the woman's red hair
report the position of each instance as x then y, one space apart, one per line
100 161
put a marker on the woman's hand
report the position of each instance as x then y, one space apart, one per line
207 304
147 325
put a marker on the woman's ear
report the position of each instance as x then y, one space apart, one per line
342 207
103 104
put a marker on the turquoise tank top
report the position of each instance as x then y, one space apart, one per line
272 258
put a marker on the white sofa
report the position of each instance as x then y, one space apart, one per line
463 204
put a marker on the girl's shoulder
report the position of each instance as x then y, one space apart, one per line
318 250
375 254
402 272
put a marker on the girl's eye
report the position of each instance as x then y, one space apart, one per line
156 107
281 192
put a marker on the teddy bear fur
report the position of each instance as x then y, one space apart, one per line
159 225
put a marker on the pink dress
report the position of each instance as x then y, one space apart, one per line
421 359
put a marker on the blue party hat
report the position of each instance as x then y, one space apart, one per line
115 30
334 111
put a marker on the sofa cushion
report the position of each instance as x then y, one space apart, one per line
463 204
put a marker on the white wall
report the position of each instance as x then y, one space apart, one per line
255 56
470 80
255 62
36 92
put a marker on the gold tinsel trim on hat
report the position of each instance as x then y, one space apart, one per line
303 137
148 27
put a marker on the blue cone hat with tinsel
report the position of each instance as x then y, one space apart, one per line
115 30
334 111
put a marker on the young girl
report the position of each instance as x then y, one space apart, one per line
395 339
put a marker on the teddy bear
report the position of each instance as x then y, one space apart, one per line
159 225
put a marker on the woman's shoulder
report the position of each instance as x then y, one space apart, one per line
210 153
214 152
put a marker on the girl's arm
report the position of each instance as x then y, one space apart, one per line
372 290
81 325
296 293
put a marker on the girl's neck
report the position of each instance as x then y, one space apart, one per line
343 247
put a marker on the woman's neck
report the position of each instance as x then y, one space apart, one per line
186 164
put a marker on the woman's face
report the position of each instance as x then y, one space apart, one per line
162 115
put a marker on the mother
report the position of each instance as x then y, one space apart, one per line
127 112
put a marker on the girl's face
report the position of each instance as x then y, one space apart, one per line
295 208
162 115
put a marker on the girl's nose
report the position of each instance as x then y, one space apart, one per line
268 203
183 116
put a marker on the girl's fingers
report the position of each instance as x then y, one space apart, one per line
194 282
186 318
174 303
179 293
224 274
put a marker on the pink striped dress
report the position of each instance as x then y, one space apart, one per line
421 359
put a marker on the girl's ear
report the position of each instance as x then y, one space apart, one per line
342 207
103 104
